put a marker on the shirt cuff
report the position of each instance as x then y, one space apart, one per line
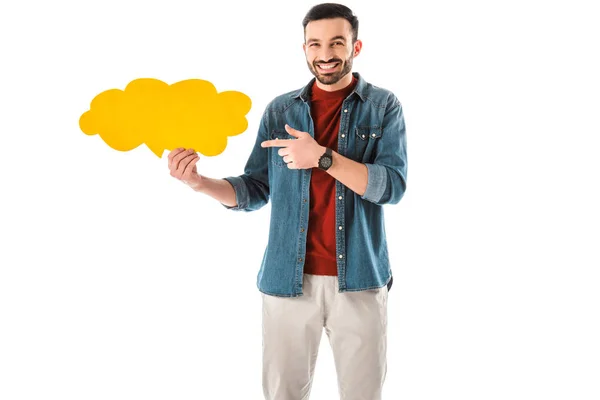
376 183
241 193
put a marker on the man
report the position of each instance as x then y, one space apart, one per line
328 156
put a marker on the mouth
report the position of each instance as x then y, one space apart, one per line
327 67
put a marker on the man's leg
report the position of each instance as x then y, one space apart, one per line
356 324
292 329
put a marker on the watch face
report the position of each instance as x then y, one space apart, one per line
326 162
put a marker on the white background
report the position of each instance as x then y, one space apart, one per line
119 282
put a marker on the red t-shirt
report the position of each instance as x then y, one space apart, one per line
326 108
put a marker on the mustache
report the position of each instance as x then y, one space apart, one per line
327 62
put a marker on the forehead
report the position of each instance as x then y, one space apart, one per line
325 29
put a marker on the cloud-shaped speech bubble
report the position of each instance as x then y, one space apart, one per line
189 114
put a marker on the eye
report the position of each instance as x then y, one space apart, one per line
313 44
340 43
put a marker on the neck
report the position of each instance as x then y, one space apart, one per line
342 83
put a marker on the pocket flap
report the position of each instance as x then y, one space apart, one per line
280 134
368 132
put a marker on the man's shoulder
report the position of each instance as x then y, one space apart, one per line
374 90
379 96
283 101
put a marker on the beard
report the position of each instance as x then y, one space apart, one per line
330 78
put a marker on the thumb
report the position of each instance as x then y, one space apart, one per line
292 131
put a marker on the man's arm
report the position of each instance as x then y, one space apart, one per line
182 164
251 189
352 174
218 189
384 180
247 192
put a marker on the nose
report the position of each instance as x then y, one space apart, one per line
326 54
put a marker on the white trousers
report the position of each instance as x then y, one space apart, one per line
355 323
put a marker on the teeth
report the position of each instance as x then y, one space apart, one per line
327 66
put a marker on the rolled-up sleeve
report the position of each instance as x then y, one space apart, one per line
387 173
241 193
376 183
252 187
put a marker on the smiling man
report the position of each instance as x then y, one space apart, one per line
328 156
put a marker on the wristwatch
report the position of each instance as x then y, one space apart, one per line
326 160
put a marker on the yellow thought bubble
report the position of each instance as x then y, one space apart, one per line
189 114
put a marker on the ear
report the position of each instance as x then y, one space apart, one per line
304 47
357 47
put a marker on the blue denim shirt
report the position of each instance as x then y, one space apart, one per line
372 132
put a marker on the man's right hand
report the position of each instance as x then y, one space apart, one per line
182 164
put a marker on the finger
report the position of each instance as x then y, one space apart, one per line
288 159
292 131
186 161
187 172
276 143
177 159
284 151
173 153
183 163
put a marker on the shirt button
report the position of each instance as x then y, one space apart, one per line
341 256
363 136
343 135
340 197
346 110
304 200
373 135
340 227
301 229
300 259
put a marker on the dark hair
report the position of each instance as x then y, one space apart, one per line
332 10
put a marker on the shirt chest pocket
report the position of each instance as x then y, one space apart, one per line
365 141
279 134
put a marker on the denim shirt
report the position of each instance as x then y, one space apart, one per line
372 132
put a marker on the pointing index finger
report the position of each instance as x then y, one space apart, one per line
276 143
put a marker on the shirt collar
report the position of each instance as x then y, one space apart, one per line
360 89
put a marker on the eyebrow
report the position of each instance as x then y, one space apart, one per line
338 37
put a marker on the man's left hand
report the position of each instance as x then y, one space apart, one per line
300 153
